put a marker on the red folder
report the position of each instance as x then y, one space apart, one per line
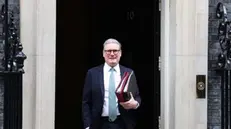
123 90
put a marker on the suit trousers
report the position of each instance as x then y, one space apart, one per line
117 124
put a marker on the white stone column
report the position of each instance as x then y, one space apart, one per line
28 39
38 36
185 31
164 74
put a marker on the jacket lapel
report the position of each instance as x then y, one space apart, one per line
101 81
122 71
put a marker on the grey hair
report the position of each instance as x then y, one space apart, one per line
111 40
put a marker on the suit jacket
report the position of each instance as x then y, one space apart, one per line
93 99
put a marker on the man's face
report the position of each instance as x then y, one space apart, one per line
112 54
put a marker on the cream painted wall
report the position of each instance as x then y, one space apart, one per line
185 30
38 36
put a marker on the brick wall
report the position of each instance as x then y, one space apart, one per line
13 6
214 79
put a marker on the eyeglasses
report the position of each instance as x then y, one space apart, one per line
109 51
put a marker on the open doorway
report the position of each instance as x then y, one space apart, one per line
82 27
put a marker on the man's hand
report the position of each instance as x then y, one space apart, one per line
131 104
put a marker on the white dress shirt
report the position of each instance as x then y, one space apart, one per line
106 72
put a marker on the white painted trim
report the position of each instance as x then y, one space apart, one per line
45 64
38 36
164 74
175 46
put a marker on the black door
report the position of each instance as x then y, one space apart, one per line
82 27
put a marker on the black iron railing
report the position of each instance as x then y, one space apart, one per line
13 69
224 63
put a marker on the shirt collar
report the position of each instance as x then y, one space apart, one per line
107 67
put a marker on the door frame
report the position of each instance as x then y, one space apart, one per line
164 120
37 119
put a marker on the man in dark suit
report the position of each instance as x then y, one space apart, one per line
100 107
